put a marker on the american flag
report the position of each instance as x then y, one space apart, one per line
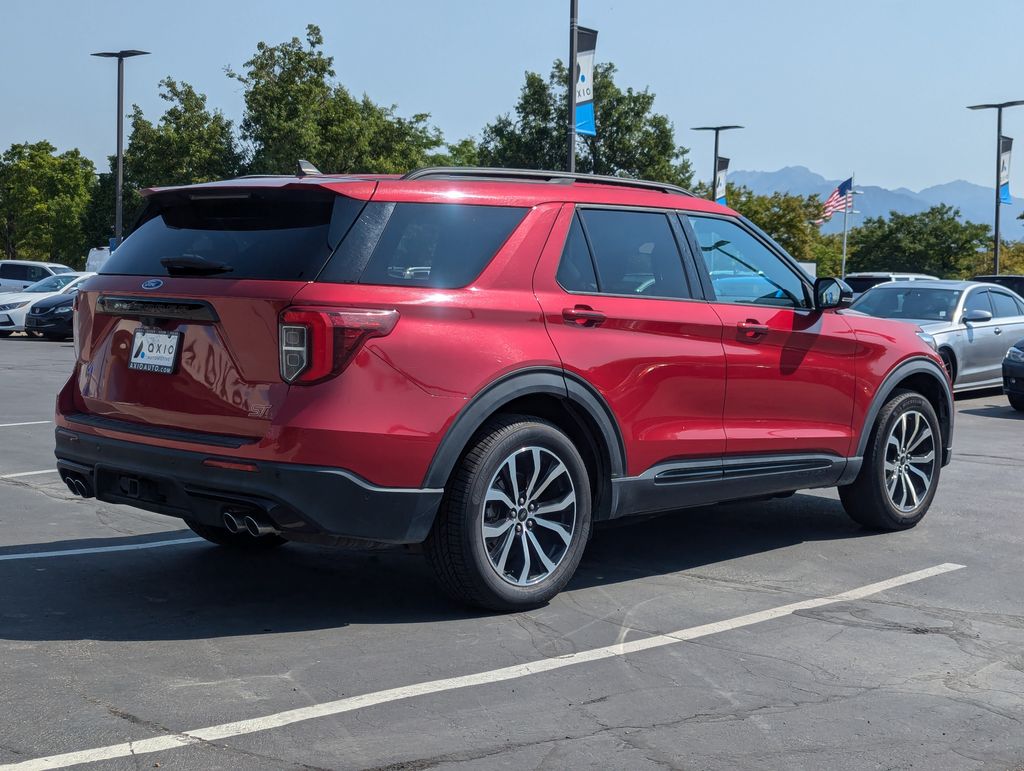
840 200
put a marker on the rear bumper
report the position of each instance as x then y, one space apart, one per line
315 503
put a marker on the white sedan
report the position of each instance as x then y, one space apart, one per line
14 306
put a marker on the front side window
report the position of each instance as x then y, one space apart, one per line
635 253
35 273
743 270
1004 305
977 301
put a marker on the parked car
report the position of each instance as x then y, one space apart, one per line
1013 375
486 362
970 323
53 316
96 258
862 282
16 275
1010 281
14 307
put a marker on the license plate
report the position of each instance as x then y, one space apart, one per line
155 351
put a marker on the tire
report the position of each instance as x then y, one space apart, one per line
505 571
949 362
1016 401
879 498
241 541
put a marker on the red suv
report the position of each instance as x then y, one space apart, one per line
487 362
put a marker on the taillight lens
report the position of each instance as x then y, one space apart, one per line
317 344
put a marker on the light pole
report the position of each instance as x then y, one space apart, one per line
714 165
574 23
999 147
120 56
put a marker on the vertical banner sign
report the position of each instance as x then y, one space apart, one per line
723 167
586 42
1005 145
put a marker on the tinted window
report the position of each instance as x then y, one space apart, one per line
265 234
1004 305
978 301
907 302
863 283
35 273
14 272
576 270
636 253
744 270
438 245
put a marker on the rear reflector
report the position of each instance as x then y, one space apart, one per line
232 465
317 344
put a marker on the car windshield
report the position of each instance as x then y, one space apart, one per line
909 302
51 283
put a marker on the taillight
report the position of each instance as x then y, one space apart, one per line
317 344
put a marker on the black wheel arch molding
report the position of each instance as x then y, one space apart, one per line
579 397
915 366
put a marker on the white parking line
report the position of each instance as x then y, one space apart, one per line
28 473
29 423
35 555
279 719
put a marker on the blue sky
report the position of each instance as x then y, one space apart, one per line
876 87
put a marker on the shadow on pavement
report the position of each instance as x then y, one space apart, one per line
197 590
1004 411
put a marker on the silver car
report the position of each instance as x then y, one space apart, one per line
973 324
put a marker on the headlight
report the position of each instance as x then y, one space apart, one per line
63 309
1015 354
13 306
929 340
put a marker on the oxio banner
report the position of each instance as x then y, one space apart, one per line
1005 145
720 172
586 43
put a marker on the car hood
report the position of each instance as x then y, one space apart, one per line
20 297
54 300
931 326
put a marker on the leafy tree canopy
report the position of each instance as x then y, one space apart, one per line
42 197
632 139
294 109
786 218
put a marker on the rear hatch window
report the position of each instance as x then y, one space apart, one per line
258 234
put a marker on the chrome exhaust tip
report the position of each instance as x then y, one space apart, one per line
256 528
232 523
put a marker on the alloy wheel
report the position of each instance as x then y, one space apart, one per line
909 461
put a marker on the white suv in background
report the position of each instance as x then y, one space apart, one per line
15 275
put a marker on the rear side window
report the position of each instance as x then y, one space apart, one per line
14 272
437 245
259 234
635 253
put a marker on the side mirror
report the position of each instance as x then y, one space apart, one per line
832 293
977 316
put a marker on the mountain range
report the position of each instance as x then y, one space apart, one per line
974 201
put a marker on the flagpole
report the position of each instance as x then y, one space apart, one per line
848 204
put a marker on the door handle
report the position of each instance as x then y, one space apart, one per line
998 331
752 328
583 316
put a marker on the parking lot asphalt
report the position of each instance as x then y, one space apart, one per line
752 635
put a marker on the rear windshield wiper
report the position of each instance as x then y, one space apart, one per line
193 265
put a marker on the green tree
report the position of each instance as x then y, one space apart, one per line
933 241
294 109
188 144
632 139
789 219
43 195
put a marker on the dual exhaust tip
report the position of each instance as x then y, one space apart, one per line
78 484
236 522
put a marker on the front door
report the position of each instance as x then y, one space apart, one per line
791 369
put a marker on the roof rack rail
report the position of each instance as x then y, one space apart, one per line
563 177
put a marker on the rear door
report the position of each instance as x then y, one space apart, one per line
623 312
180 328
791 370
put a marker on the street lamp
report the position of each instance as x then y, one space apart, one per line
999 142
120 56
714 166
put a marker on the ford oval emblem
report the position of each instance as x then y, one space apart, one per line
153 283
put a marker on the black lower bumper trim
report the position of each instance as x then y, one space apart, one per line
302 501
